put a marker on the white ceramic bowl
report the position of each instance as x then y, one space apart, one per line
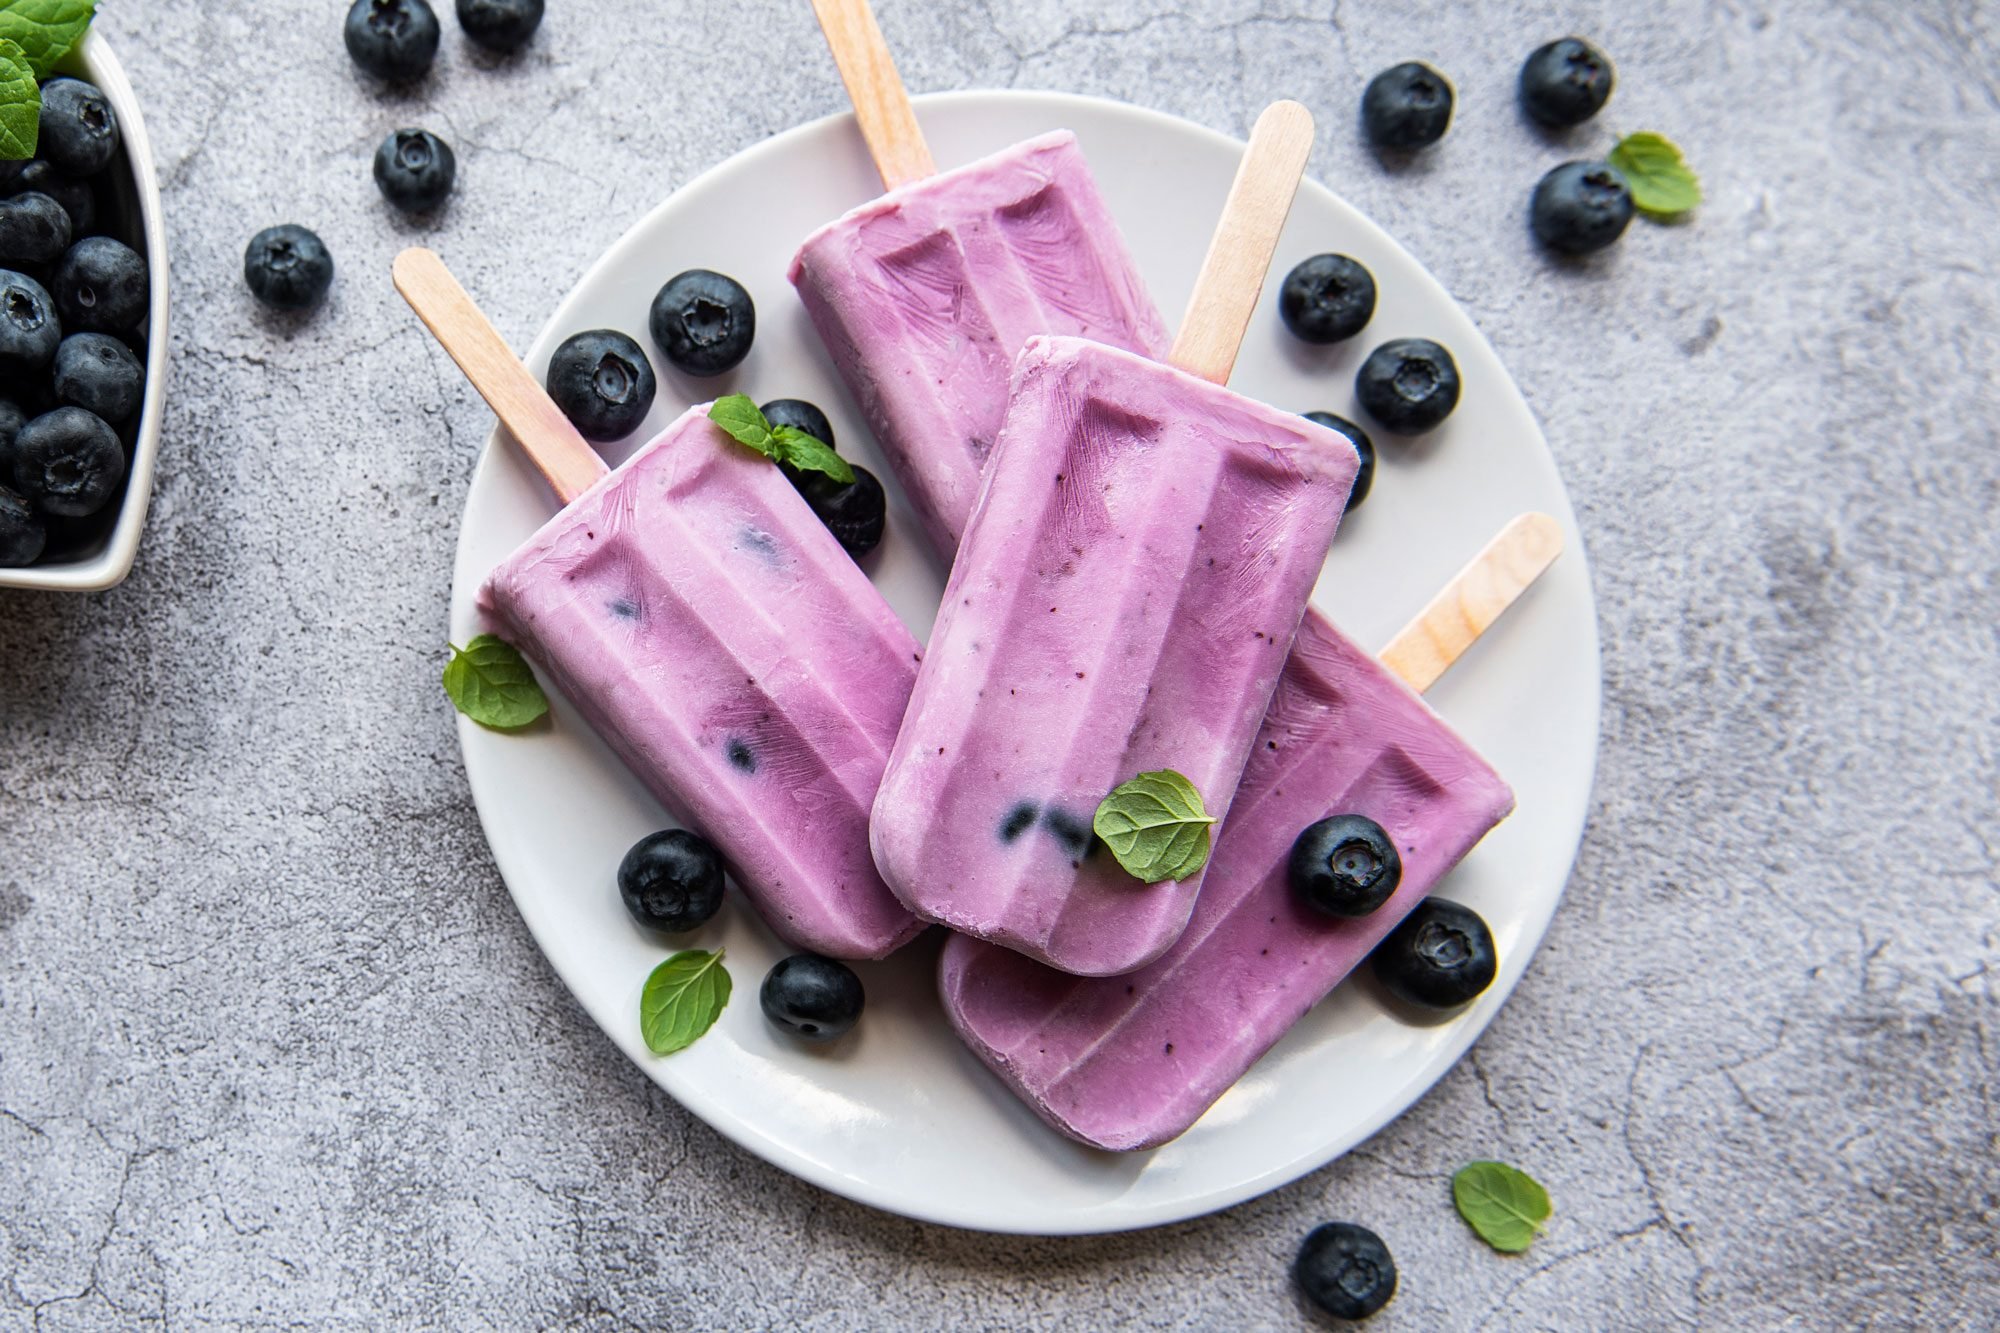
135 198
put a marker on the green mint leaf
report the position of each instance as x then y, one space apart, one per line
1504 1205
1662 185
1155 826
490 683
45 30
743 423
809 453
682 1000
20 104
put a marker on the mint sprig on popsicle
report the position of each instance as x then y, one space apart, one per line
744 422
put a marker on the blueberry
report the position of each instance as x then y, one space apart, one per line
500 25
1345 865
12 418
34 229
854 513
704 322
1566 82
79 134
1327 298
602 382
812 997
77 197
415 169
800 415
1439 957
100 285
68 462
1406 106
1364 476
22 532
287 267
671 881
1345 1270
1580 207
98 373
29 330
1408 384
392 39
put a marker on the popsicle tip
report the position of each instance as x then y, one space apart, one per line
1286 113
1539 537
415 260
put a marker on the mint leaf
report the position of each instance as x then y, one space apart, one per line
1155 826
490 683
20 104
1662 185
45 30
809 453
1504 1205
682 1000
741 420
745 423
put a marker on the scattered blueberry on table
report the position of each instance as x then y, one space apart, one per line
812 997
415 170
601 380
1565 82
1364 476
287 267
1410 385
671 880
1345 1270
1345 866
394 40
1327 298
1406 107
1580 207
704 322
500 25
1439 957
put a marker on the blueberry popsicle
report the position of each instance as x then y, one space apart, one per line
716 636
924 296
1129 586
1131 1062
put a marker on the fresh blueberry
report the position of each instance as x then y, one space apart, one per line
34 229
29 330
1580 207
77 197
12 418
1327 298
500 25
287 267
1566 82
1406 106
100 285
854 513
1408 384
1345 865
812 997
1439 957
800 415
98 373
671 880
1345 1270
23 535
415 169
603 383
1364 476
392 39
704 322
68 462
79 134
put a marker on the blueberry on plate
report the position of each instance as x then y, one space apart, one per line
101 375
23 535
1345 865
68 462
1565 82
1364 476
812 997
1406 106
671 880
1580 207
1327 298
34 229
100 285
1345 1270
855 513
500 25
704 322
800 415
79 134
77 197
1439 957
392 39
287 267
1408 384
414 170
603 383
29 330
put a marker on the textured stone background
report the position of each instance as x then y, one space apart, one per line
274 1046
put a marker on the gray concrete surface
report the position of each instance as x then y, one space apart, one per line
276 1049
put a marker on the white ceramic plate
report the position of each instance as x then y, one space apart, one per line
899 1115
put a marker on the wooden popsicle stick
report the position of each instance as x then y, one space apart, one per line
524 407
881 104
1239 255
1473 600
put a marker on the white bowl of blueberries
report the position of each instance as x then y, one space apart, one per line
83 333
